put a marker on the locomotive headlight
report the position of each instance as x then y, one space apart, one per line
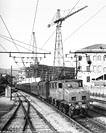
84 106
77 106
72 107
80 103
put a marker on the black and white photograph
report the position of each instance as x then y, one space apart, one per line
53 66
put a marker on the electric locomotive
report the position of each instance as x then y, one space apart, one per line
69 96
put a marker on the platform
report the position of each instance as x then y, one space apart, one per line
6 105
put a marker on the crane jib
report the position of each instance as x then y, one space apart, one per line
62 19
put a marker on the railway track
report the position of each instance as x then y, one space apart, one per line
26 118
16 121
98 114
58 119
99 110
92 125
89 125
32 114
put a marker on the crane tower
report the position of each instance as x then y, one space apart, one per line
58 50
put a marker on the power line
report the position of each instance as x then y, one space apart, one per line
48 39
5 37
3 47
84 23
10 35
74 6
15 43
55 30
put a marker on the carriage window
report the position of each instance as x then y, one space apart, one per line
60 85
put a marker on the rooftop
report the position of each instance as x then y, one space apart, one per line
96 48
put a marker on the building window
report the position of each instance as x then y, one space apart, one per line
94 58
104 57
99 68
88 68
94 68
79 68
104 69
88 78
80 58
99 57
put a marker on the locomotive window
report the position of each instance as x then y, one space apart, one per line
73 98
80 84
52 85
60 85
55 85
83 97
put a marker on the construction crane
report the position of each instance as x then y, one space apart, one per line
58 51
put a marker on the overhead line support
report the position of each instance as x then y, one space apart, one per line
24 52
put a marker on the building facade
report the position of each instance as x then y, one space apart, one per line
91 63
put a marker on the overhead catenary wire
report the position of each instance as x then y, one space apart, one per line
15 43
84 23
5 37
10 36
6 51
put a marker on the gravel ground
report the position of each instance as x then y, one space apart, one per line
58 121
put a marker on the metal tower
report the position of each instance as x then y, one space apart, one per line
58 51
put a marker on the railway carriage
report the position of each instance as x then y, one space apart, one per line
34 88
24 87
44 89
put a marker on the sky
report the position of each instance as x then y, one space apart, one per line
83 29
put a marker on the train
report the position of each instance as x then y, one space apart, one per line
68 95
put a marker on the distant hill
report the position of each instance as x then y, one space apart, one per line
8 71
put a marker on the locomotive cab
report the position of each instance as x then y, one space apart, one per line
69 96
76 96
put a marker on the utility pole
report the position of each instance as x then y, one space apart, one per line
11 84
76 71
